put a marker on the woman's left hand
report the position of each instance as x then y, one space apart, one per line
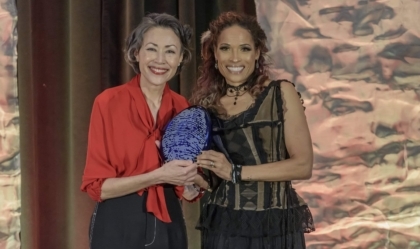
216 162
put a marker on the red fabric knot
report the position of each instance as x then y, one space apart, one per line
156 203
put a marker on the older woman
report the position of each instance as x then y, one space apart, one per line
138 197
262 143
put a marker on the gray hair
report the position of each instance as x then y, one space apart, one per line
135 40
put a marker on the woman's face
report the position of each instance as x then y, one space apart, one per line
235 53
159 56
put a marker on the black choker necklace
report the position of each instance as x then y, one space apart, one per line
236 91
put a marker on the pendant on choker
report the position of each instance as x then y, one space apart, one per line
236 91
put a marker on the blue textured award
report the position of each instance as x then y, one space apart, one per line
186 135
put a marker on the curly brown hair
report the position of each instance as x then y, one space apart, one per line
210 85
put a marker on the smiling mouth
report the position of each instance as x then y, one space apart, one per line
235 70
158 71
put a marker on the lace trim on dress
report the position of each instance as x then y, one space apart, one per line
266 223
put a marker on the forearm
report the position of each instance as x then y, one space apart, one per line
116 187
201 182
191 193
286 170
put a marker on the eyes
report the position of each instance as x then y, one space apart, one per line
225 48
169 51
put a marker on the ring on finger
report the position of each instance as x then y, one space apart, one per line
212 164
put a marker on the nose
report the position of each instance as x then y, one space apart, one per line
160 57
234 56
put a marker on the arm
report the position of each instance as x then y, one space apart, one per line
298 144
201 182
177 172
100 179
194 192
116 187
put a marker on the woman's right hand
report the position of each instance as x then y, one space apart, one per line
178 172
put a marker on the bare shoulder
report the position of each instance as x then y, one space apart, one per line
287 86
282 82
267 82
290 97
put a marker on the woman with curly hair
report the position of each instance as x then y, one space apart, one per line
261 143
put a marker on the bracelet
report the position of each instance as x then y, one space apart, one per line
198 189
236 173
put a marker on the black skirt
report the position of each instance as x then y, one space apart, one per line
226 228
217 240
124 223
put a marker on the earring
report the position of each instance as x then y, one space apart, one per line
215 65
256 64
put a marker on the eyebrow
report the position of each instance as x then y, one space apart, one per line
167 46
245 44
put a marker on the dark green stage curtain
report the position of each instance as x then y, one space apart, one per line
69 51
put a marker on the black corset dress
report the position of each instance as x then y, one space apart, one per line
268 211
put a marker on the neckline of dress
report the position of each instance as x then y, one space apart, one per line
257 101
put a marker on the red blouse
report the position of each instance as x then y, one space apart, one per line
122 138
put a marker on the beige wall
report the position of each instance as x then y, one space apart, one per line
357 64
9 130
